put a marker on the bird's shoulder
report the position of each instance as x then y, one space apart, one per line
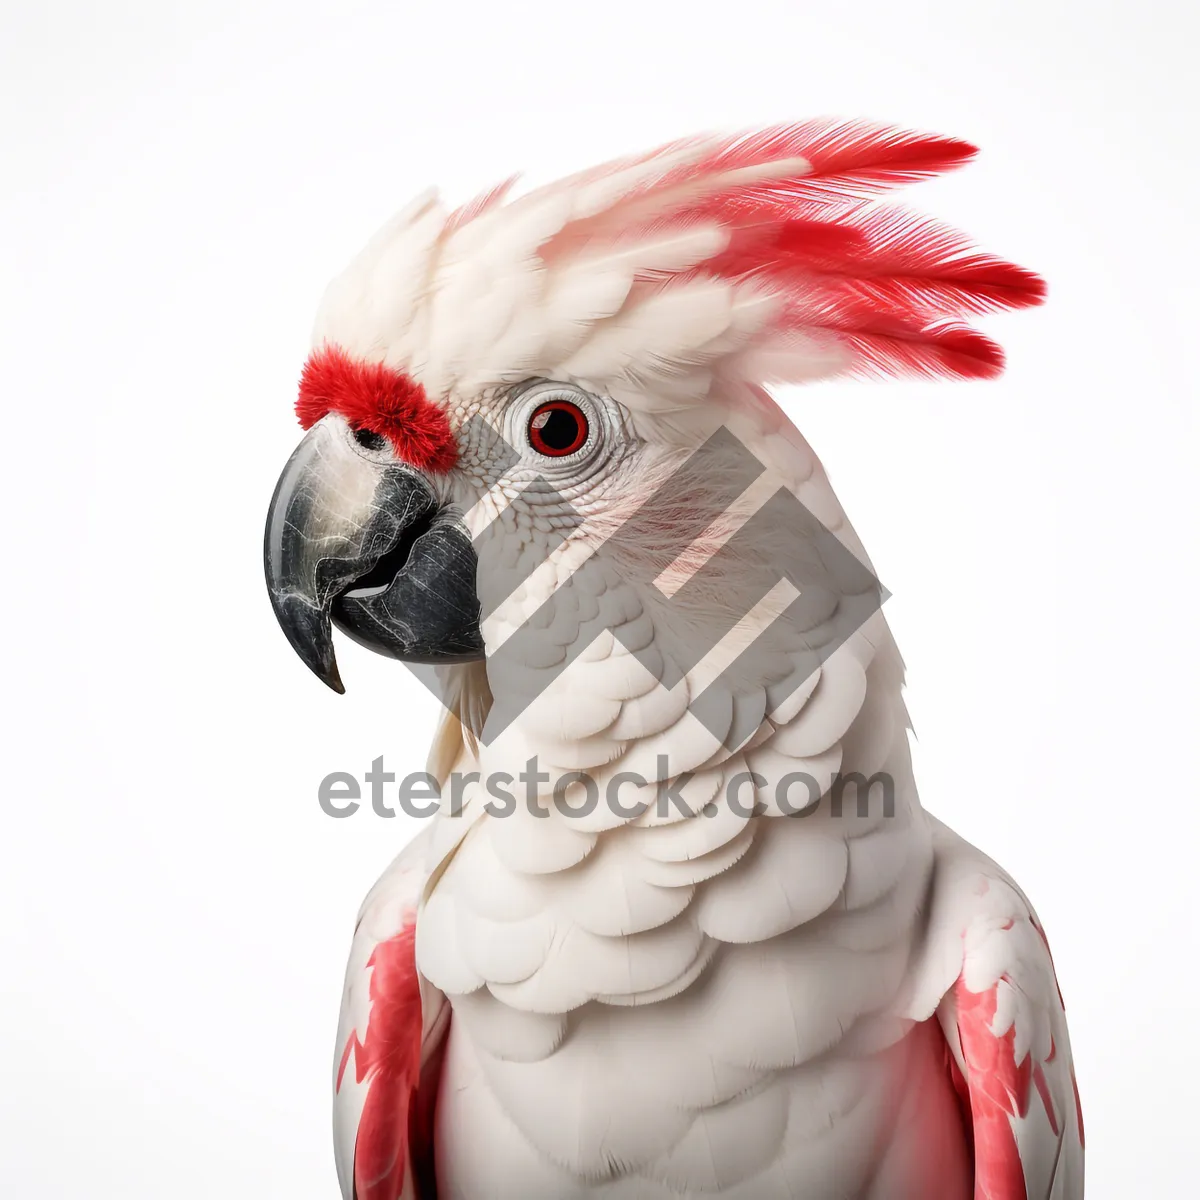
985 970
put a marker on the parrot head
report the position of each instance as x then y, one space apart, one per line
496 393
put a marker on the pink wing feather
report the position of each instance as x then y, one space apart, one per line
1003 1017
390 1039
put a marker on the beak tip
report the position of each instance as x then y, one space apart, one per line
308 630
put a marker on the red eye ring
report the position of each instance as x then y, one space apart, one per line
557 428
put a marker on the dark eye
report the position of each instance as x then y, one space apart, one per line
557 428
368 440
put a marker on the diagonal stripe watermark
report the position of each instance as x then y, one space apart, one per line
778 591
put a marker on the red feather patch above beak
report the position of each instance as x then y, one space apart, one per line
380 400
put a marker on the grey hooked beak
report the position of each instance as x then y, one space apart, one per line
357 539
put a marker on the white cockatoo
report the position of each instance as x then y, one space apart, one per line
679 925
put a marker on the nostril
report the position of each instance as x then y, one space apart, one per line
368 440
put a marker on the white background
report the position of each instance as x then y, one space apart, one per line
182 180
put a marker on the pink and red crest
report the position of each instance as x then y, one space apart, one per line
762 258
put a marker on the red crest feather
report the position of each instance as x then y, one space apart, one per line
378 399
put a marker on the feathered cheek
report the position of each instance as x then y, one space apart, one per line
377 399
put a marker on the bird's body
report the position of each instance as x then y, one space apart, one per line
750 965
775 1061
619 1031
